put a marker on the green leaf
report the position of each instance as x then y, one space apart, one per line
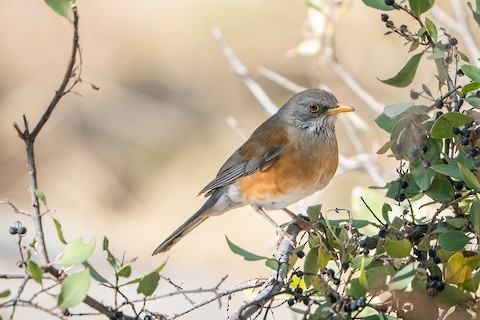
356 290
437 54
356 223
95 275
110 257
62 7
476 14
457 223
378 4
405 76
379 317
442 127
473 100
472 283
468 177
5 293
272 264
463 56
469 87
74 289
420 6
453 240
398 248
422 176
431 28
363 276
448 170
471 71
441 189
125 271
313 213
450 296
386 208
475 215
41 196
58 227
35 271
387 123
403 277
244 253
148 283
76 252
396 109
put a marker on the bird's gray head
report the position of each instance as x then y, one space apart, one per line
313 110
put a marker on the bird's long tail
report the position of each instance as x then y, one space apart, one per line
201 215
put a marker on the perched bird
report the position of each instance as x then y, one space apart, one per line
290 156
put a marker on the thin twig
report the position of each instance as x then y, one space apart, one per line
281 80
15 209
243 73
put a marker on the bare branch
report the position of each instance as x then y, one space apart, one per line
281 80
244 74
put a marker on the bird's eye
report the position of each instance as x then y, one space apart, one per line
313 107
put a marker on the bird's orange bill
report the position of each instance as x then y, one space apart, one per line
341 108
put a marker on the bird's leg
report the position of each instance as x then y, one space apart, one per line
302 223
279 229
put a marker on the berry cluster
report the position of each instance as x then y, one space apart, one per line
435 285
19 229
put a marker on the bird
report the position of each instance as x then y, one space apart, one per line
290 156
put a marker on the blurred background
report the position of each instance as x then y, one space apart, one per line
127 161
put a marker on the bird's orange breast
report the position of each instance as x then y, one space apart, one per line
302 169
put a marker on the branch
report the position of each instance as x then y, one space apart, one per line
243 73
273 288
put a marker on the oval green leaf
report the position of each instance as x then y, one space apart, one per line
148 284
396 109
74 289
471 71
58 227
244 253
441 189
76 252
405 76
469 177
442 128
420 6
125 271
398 248
62 7
5 293
35 271
403 277
453 240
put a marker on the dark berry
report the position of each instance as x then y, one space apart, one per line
426 163
306 300
476 163
432 253
453 41
431 284
439 104
478 94
403 184
290 302
13 230
366 251
298 290
415 152
113 318
437 259
389 2
299 273
336 281
457 196
436 277
389 24
119 314
432 292
361 302
147 318
21 230
440 285
414 95
384 17
333 299
382 233
403 28
400 197
465 133
345 265
458 185
465 141
330 273
300 254
362 243
473 152
460 72
438 114
353 306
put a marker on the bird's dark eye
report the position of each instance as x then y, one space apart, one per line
313 107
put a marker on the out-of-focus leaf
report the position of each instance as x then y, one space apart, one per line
313 212
468 177
74 289
474 101
472 283
396 109
5 293
437 54
58 227
453 240
405 76
94 273
459 267
110 257
41 196
475 215
476 13
398 248
76 252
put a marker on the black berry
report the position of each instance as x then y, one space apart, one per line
457 196
384 17
465 141
400 197
473 152
439 104
453 41
22 230
432 292
414 95
300 254
478 94
436 277
299 273
345 265
290 302
460 72
389 2
336 281
147 318
13 230
432 253
403 28
440 285
330 273
456 130
119 314
458 185
362 243
476 163
361 302
366 251
382 233
465 133
298 290
403 184
437 259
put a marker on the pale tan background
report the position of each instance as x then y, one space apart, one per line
127 161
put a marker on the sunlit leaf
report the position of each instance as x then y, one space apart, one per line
431 28
405 76
473 100
420 6
76 252
403 277
453 240
125 271
62 7
398 248
58 227
469 87
74 289
471 71
148 284
396 109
